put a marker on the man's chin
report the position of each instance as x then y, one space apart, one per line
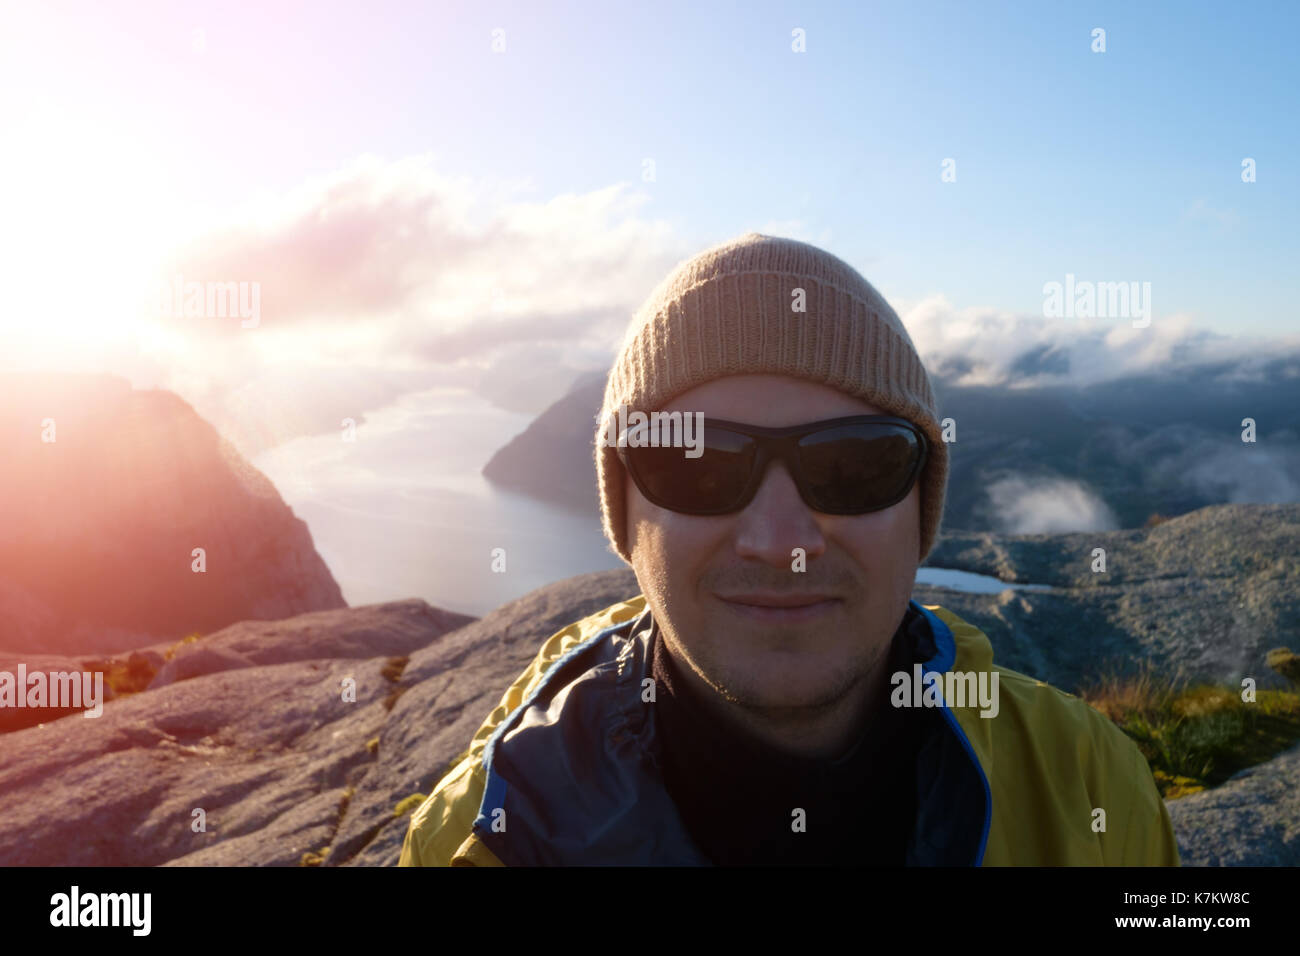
815 629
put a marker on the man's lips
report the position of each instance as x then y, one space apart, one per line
779 608
774 599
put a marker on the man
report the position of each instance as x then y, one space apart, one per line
773 696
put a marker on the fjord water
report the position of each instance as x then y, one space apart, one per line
404 511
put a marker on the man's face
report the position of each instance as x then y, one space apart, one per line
704 575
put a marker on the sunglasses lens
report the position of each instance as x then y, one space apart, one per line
713 483
855 469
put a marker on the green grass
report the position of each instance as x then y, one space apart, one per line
318 857
392 669
1196 736
120 675
125 679
188 639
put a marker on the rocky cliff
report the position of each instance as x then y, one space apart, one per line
106 492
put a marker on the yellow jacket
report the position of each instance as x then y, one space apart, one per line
559 773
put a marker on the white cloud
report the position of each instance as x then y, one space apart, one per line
983 345
383 278
1047 506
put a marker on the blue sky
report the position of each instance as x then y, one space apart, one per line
1124 164
135 126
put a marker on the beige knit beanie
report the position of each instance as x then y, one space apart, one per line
731 310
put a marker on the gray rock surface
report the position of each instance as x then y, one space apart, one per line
1252 819
1204 596
196 661
266 750
405 626
246 747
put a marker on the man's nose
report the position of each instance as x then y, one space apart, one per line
777 521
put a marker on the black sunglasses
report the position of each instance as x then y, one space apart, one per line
842 466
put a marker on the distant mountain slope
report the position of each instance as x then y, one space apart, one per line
99 525
552 458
